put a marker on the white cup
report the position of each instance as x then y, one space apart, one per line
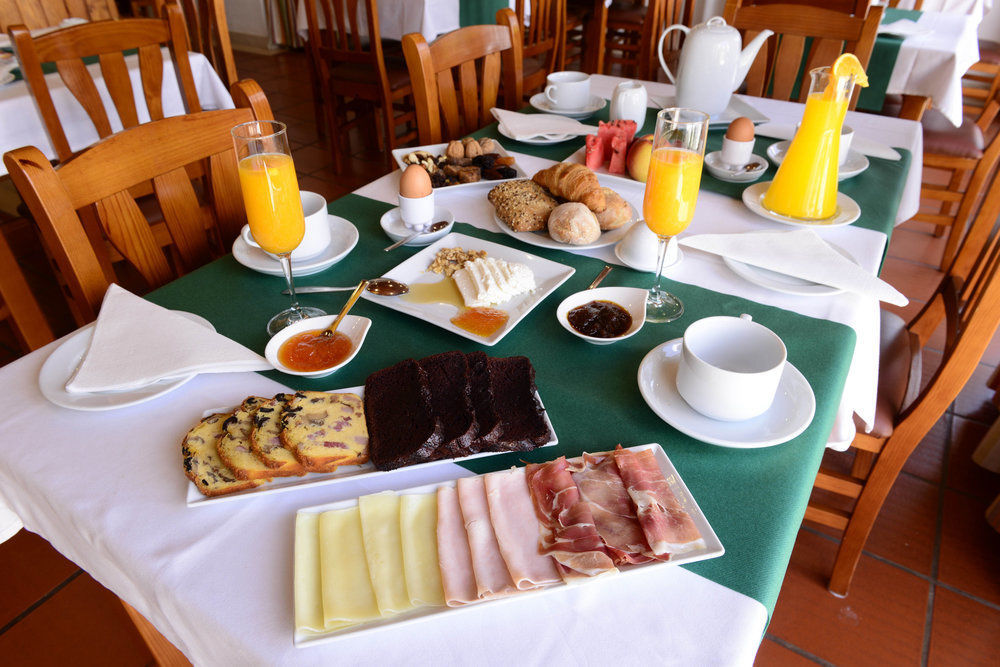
416 212
736 153
317 235
846 136
730 367
568 90
639 248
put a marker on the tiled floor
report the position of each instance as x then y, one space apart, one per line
927 590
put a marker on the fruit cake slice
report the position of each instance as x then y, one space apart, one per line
202 464
234 445
402 427
265 437
324 430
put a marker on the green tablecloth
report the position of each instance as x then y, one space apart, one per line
479 12
883 60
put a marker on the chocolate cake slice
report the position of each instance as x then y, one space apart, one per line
448 377
481 394
402 427
522 420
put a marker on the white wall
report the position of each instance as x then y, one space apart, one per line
247 17
990 27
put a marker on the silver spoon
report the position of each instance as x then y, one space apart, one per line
351 300
380 286
436 227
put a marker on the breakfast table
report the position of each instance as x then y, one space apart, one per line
107 489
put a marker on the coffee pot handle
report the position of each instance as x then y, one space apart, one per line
659 48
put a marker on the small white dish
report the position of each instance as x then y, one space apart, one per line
751 171
539 140
790 414
542 103
854 164
343 235
353 326
648 268
847 209
632 299
394 228
780 282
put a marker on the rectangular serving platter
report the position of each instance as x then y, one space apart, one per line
344 473
712 549
438 149
737 107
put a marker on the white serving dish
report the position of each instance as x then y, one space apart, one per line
438 149
353 326
632 299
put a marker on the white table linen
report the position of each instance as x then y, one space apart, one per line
974 8
396 18
22 125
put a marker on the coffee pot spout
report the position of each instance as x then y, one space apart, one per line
748 55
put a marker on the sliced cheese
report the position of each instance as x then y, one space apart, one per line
488 281
347 591
418 532
384 551
306 575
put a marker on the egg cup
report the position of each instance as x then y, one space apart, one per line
736 153
417 212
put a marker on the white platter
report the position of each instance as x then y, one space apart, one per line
854 164
542 103
548 276
438 149
712 549
543 240
64 360
364 471
343 235
847 209
736 108
792 411
780 282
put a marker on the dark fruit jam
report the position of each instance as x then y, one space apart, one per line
600 319
308 351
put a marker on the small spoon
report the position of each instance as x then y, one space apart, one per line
351 300
436 227
380 286
600 276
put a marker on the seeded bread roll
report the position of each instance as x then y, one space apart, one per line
324 430
265 437
234 445
202 464
523 205
574 223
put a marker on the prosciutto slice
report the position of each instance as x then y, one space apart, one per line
567 530
667 526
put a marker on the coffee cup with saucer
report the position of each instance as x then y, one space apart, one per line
638 249
317 235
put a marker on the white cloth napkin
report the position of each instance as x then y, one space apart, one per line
525 126
136 343
902 28
800 253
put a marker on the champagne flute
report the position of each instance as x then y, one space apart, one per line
671 193
274 209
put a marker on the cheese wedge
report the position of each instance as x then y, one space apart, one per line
347 591
384 551
488 281
418 532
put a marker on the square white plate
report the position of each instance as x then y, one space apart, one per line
712 549
737 107
548 276
438 149
364 471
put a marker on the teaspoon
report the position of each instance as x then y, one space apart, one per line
380 286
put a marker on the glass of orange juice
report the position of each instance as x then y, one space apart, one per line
274 209
671 193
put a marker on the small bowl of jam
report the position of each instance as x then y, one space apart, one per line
603 315
298 349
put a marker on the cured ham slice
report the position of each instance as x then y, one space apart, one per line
567 530
492 578
454 557
667 526
516 526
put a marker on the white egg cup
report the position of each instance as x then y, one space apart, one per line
417 212
736 153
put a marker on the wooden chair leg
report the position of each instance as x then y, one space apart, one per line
165 653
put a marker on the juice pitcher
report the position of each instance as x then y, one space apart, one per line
805 186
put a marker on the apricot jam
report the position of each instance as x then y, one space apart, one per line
309 351
481 321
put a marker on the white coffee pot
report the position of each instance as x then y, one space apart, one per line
713 64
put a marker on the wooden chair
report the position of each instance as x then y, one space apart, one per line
37 14
99 179
542 33
354 73
577 15
968 303
627 35
18 306
108 40
778 68
208 33
981 82
852 7
456 79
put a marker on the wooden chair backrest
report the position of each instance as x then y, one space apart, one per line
456 80
37 14
853 7
18 305
775 72
542 31
208 34
98 179
108 40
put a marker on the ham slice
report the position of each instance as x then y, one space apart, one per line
454 557
567 532
516 526
667 526
492 578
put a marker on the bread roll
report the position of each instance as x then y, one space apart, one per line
617 212
574 223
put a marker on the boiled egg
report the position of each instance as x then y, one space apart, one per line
740 129
415 182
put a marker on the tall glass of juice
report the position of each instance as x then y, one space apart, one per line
671 193
274 209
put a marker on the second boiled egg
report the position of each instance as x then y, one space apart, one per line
740 129
415 182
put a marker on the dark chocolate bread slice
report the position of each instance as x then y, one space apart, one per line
448 377
522 421
481 394
402 428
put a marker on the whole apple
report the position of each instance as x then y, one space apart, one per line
637 161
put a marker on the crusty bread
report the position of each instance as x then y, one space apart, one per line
265 437
202 464
617 212
574 223
325 430
574 182
523 205
234 445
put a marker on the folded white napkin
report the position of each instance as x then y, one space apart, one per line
903 28
800 253
136 343
525 126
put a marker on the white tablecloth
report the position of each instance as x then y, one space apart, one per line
398 17
974 8
21 124
717 213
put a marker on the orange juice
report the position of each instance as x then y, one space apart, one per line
671 190
271 195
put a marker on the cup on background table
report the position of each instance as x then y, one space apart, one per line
317 236
568 90
846 137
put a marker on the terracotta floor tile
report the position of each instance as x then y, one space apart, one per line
773 654
880 622
916 246
976 399
963 473
29 569
904 530
965 632
927 459
916 281
969 548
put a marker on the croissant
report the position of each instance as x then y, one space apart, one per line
574 182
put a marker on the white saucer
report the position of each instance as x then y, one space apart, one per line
792 411
343 235
63 362
853 165
540 140
394 228
542 103
647 268
722 171
847 209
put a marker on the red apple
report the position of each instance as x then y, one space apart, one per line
638 157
